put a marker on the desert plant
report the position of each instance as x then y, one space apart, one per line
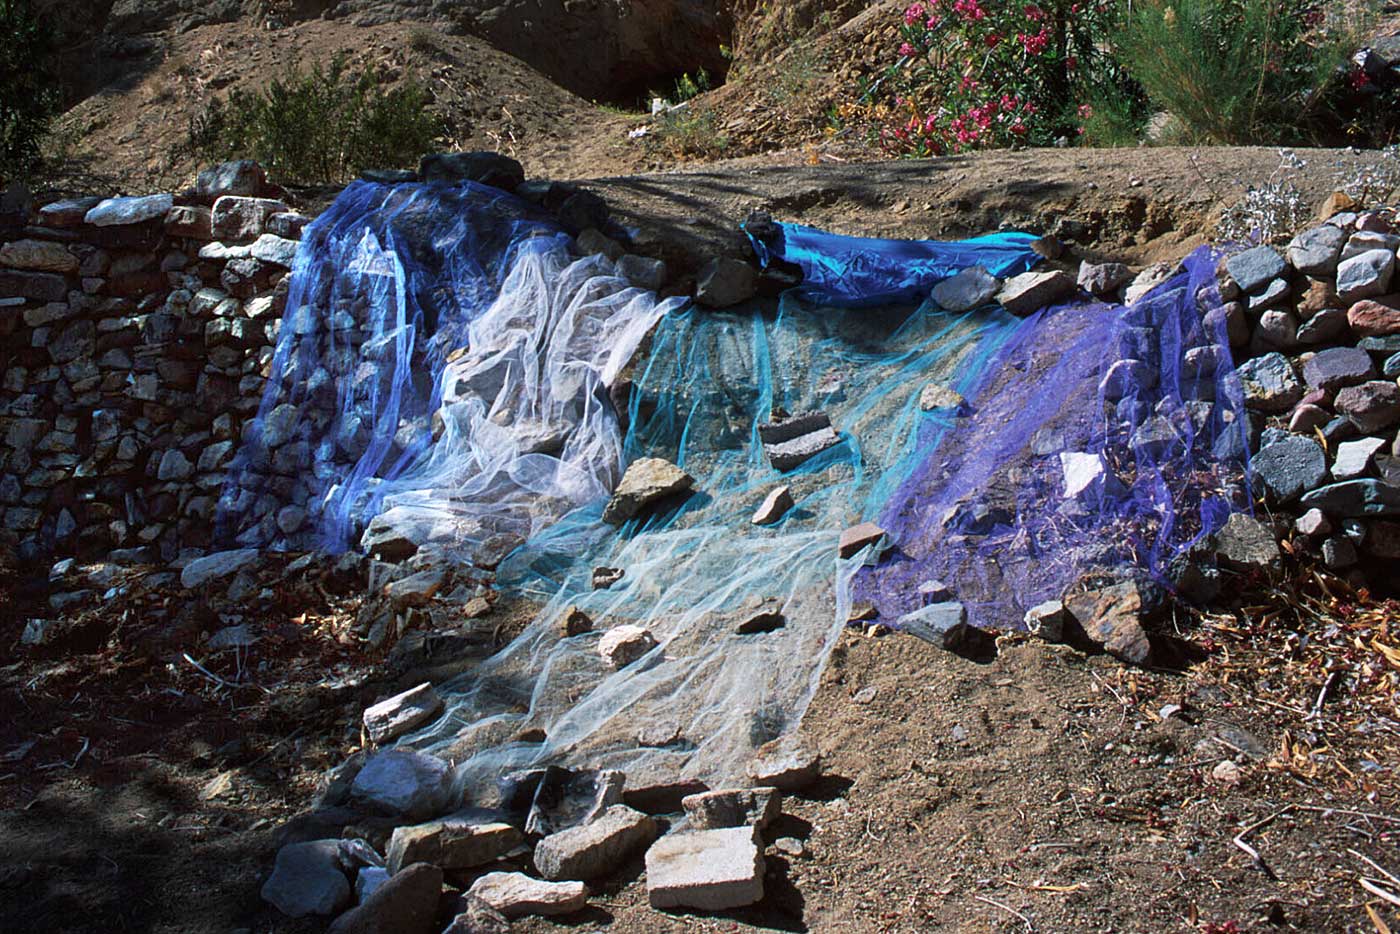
28 101
1240 71
320 126
974 74
684 133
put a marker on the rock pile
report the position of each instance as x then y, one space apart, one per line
1316 327
553 836
135 339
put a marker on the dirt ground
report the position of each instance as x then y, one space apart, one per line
1042 790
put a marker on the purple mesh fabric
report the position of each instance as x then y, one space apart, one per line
1148 391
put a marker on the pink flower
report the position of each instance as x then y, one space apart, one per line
906 50
1085 111
913 14
992 39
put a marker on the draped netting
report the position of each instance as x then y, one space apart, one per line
448 373
441 374
1100 438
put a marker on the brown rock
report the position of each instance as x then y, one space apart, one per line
1375 317
576 622
406 904
857 537
1318 295
1112 617
1336 203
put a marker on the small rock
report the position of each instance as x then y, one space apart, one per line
791 846
1313 523
785 764
1047 620
1365 275
1375 318
1031 291
646 481
368 880
406 904
460 842
644 272
936 398
476 917
1226 773
774 506
712 870
597 849
940 624
1306 418
1087 476
1354 457
1151 277
969 288
575 622
1291 465
1354 498
516 895
115 212
857 537
215 567
1315 252
1371 406
416 589
1338 553
1270 385
243 177
404 782
1327 325
1336 367
1103 279
725 282
1246 544
1112 616
736 807
308 880
389 719
760 616
623 645
604 578
1255 268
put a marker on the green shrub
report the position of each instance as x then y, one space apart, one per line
688 86
28 102
321 126
1240 72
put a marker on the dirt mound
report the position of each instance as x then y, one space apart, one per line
134 136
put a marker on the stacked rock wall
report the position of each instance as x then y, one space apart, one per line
135 335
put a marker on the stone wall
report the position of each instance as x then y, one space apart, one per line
135 338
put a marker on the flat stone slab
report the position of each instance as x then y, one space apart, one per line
733 807
1352 499
217 566
1354 457
712 870
402 713
116 212
858 537
1031 291
1255 268
785 764
645 481
594 850
967 289
516 895
1247 544
774 506
1336 367
457 842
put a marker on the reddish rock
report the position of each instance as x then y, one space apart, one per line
1375 317
1370 406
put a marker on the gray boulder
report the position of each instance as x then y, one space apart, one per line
724 282
1316 251
404 782
1291 465
597 849
1255 268
307 879
969 288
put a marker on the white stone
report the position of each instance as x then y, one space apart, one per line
404 782
391 718
774 506
1365 275
271 248
623 645
1086 474
1354 457
115 212
712 870
515 894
